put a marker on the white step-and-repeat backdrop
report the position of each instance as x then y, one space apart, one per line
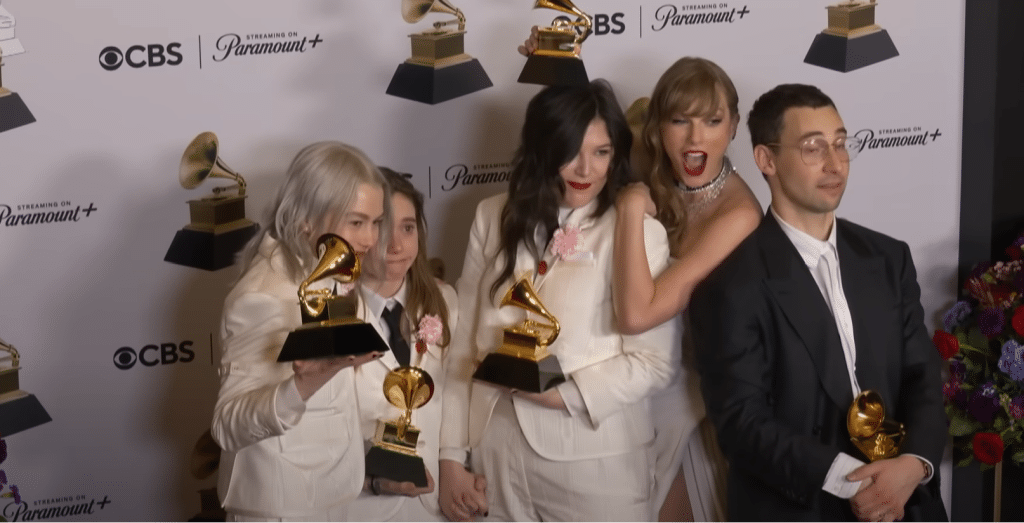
121 347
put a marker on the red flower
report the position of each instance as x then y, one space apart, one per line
947 344
988 447
1018 320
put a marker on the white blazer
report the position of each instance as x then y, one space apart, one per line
615 374
301 463
374 406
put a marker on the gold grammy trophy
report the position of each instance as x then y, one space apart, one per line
330 326
218 227
13 111
439 68
875 436
557 58
852 39
393 454
523 361
19 410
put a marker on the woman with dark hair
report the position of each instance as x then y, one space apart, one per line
415 312
579 450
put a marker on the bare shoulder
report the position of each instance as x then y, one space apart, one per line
739 210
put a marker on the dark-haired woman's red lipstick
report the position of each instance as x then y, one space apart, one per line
579 186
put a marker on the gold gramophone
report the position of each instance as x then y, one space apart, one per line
13 111
877 437
218 227
19 410
393 454
439 68
523 361
330 326
852 39
557 58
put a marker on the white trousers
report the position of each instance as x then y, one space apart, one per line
523 486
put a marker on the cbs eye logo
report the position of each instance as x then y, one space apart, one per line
153 55
153 355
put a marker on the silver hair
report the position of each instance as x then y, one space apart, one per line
320 185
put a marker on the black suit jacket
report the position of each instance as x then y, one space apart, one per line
775 379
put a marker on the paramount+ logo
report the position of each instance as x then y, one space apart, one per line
138 56
155 354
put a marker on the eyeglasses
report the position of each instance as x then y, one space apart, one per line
813 150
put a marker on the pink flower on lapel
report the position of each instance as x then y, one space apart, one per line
566 242
430 330
344 289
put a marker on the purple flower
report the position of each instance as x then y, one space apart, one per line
17 495
983 407
1016 408
961 399
1012 360
991 322
956 315
957 368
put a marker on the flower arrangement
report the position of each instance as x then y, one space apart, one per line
12 489
983 342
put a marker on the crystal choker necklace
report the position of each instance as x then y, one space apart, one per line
709 190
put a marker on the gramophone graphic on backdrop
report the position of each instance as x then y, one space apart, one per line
13 111
852 39
557 58
19 410
219 227
439 69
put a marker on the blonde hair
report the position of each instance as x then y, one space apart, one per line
695 87
320 185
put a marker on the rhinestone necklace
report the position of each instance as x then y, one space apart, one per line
709 190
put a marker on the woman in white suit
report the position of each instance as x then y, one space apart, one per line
580 450
290 433
425 310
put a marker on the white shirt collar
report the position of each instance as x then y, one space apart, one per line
809 247
376 303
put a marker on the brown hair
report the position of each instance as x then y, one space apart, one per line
694 86
423 295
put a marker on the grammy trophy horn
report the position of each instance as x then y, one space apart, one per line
523 295
200 161
337 259
583 21
414 10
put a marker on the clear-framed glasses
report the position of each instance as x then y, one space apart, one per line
813 150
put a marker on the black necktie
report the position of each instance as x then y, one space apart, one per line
393 317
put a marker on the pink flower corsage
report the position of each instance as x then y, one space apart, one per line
430 330
344 289
566 242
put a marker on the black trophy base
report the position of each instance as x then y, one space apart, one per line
426 84
553 70
14 112
312 342
847 54
20 414
520 373
206 250
396 466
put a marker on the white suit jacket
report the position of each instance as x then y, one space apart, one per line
373 406
615 374
269 467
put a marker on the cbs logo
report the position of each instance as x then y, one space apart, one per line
152 55
605 24
153 355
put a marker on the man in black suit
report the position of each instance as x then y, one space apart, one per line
807 312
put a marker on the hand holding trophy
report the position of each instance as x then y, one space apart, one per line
393 454
556 61
329 323
523 361
877 437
